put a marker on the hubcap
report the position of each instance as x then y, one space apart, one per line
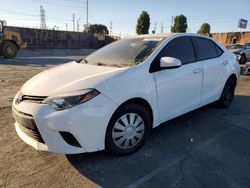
10 50
128 131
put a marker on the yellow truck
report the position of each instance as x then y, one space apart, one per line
10 42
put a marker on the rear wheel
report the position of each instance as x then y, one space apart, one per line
128 129
227 95
9 50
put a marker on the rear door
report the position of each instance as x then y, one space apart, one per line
214 62
178 89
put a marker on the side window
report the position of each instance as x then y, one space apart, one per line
204 48
180 48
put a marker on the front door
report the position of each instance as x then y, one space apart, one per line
179 89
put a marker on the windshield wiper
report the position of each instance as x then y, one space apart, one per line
101 64
85 60
108 65
78 61
115 65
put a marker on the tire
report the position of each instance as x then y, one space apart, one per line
9 50
227 95
128 129
243 59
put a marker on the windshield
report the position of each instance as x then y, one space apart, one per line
235 46
124 53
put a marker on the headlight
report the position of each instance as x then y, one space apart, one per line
18 98
72 99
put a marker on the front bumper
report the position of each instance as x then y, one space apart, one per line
40 125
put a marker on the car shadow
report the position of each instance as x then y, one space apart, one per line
171 149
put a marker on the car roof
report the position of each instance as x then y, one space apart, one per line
166 35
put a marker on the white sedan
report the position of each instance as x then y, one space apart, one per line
115 96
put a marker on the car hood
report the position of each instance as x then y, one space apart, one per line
67 78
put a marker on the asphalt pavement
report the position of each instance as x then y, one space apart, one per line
208 147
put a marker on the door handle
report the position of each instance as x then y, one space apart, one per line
225 62
197 70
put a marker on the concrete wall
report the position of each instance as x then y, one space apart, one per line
232 37
37 38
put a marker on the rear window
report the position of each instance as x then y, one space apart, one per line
205 49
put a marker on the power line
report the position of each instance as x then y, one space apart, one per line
74 1
56 4
19 13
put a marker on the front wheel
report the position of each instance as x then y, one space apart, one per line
227 95
128 129
9 50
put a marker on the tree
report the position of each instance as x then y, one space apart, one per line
180 24
204 29
97 28
143 23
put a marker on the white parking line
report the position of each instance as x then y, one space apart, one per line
154 173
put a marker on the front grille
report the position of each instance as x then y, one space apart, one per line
32 133
27 125
35 99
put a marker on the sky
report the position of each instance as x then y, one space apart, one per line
222 15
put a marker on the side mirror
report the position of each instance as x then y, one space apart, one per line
247 47
169 62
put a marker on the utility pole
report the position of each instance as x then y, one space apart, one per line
155 26
66 26
161 27
73 20
172 21
78 24
87 16
110 28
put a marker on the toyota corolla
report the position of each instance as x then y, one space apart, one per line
115 96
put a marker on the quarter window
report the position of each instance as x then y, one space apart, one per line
180 48
219 50
205 49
